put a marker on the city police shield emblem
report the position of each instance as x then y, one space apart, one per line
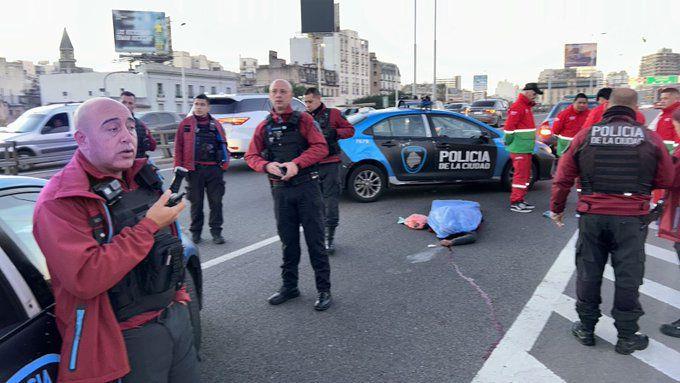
413 158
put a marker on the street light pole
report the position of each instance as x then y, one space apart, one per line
415 50
434 79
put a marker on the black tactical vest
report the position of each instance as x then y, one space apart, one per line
206 144
617 157
283 141
324 120
152 284
143 142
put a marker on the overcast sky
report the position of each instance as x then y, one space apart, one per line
506 39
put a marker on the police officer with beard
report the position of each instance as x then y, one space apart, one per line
619 162
334 127
288 146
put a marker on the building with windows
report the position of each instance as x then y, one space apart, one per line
662 63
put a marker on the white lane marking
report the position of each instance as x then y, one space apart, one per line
662 254
652 289
234 254
657 355
509 360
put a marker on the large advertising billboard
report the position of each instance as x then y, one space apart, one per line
580 55
140 32
480 82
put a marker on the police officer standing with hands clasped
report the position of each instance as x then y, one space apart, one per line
288 146
619 163
201 148
334 127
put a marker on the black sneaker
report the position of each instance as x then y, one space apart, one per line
520 207
196 237
283 296
583 335
672 329
528 205
628 345
218 239
323 301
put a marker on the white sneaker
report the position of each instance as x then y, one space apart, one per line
520 207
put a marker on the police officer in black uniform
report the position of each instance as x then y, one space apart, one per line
145 142
201 148
288 145
334 127
619 162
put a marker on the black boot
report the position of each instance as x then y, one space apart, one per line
196 237
330 236
283 296
584 335
217 237
671 329
323 301
632 343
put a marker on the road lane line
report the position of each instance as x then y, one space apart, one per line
657 355
239 252
652 289
662 254
510 360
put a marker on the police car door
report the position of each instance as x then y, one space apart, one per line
464 150
407 143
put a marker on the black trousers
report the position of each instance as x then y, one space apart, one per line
622 238
206 179
329 174
294 206
162 351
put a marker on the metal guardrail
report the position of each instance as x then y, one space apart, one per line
12 161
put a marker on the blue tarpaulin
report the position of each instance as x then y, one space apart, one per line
448 217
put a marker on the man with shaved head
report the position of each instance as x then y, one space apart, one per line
114 259
619 162
287 146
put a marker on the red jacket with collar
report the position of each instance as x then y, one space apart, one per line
596 114
185 140
664 128
340 124
82 271
317 150
668 226
606 204
569 122
520 115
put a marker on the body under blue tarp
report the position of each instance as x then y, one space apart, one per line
449 217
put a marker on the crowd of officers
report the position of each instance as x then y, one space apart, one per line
118 280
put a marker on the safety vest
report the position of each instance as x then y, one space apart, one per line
151 285
617 157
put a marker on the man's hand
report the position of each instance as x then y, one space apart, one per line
163 215
291 170
274 168
557 218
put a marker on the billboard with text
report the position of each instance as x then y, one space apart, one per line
480 82
580 55
140 32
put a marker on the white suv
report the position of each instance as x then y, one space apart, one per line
240 114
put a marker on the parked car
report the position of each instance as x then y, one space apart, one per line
458 107
45 131
492 111
29 340
544 131
240 114
160 120
403 146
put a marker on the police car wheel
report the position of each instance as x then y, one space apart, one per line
366 183
509 171
194 313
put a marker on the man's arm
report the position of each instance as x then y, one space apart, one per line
253 156
558 123
83 266
318 148
567 171
342 126
179 144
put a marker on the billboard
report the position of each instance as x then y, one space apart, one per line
580 55
317 16
140 32
480 82
661 80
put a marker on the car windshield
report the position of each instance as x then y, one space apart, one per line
483 104
24 124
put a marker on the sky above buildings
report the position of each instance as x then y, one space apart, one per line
506 39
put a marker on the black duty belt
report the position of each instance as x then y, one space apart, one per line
295 181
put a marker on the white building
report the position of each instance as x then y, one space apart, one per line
618 79
343 52
248 70
507 90
157 86
181 59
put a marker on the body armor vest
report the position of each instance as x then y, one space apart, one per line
283 141
324 120
206 144
617 157
152 284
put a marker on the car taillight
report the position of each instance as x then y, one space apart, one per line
544 130
233 120
490 111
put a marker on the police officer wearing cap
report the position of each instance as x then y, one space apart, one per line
619 162
288 145
201 148
334 127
